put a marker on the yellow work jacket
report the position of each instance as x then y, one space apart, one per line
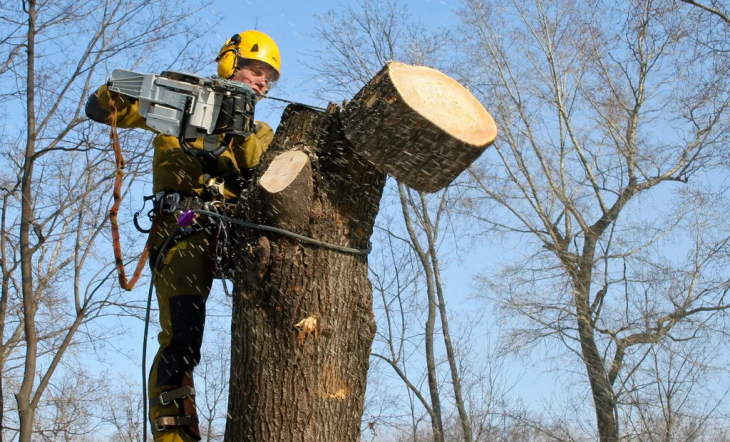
176 171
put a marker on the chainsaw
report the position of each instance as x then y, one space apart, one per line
188 106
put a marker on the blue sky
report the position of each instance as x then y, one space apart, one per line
292 23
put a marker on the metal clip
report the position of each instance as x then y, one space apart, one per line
171 202
215 187
214 206
151 214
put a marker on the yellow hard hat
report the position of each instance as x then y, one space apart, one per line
248 45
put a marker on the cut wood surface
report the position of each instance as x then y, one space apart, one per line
418 125
287 189
283 170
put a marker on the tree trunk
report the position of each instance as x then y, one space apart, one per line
601 388
26 410
4 294
450 353
303 319
437 424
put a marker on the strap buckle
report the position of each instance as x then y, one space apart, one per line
162 400
162 422
216 188
166 397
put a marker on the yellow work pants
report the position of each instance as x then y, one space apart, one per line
182 282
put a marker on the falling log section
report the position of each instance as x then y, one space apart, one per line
303 321
418 125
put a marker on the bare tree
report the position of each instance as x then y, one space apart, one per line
211 399
70 403
57 279
120 412
416 212
597 119
714 7
671 409
360 38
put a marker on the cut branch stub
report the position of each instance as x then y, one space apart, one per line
283 170
418 125
287 187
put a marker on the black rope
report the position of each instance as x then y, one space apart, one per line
147 328
294 102
285 233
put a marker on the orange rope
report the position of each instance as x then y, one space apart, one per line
126 285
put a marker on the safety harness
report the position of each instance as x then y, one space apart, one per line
185 209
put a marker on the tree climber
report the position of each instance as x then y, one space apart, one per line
183 280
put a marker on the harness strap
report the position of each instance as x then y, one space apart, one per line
123 282
162 422
188 418
169 396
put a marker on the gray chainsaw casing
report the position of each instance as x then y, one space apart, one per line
174 100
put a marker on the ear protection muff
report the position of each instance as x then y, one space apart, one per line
228 57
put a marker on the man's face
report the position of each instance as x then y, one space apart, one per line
256 74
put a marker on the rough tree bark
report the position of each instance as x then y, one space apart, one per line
303 321
26 409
